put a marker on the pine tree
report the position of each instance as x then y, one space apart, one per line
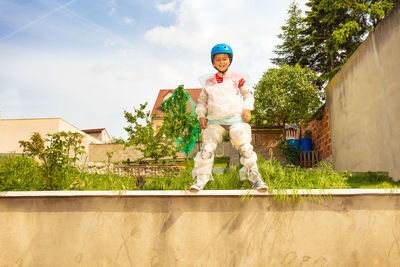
290 52
330 33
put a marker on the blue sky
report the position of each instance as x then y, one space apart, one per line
87 61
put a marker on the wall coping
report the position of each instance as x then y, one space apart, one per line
204 193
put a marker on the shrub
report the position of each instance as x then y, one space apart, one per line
58 153
20 173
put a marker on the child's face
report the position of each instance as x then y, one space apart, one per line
221 62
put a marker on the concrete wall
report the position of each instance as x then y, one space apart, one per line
364 103
198 230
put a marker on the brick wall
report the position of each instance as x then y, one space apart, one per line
321 134
265 139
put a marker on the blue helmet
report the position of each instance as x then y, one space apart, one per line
221 49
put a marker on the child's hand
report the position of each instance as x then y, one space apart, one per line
203 123
246 115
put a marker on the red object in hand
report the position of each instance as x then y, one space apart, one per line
241 82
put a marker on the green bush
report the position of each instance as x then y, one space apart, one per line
290 152
57 153
20 173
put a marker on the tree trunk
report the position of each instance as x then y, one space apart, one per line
331 59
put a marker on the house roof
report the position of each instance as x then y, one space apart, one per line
94 130
194 93
99 130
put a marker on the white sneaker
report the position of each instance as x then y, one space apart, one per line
195 187
198 184
260 186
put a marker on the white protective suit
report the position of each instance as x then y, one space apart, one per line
224 102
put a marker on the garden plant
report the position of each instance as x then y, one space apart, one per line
57 154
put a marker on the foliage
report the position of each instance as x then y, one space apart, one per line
290 52
332 31
109 155
117 140
20 173
372 180
280 178
286 95
226 137
58 152
289 151
84 181
141 133
23 173
180 124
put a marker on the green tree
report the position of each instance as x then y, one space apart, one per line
141 133
290 51
332 31
181 125
286 95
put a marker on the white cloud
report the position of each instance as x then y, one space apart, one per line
90 89
168 7
86 89
112 11
110 42
250 27
128 20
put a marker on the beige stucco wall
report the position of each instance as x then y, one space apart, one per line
364 104
13 130
199 231
98 153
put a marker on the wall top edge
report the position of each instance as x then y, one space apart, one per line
204 193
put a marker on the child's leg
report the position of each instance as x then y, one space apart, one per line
204 159
240 135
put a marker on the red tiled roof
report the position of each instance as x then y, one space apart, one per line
94 130
194 93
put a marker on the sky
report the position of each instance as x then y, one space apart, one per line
87 61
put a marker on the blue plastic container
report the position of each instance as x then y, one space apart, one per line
306 144
293 142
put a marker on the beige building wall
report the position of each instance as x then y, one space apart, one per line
157 123
13 130
359 230
364 104
101 135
